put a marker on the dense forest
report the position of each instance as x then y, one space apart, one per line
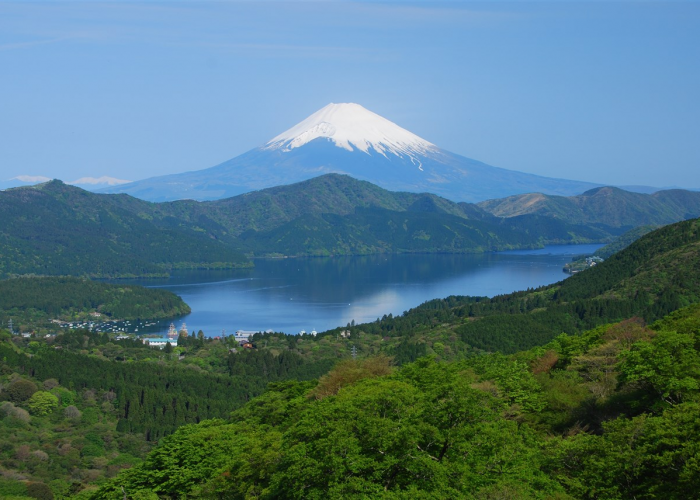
32 301
611 413
55 229
588 388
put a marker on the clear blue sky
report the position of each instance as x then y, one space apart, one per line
602 92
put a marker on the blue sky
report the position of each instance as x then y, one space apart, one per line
602 92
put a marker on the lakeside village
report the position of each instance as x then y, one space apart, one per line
581 264
241 336
123 329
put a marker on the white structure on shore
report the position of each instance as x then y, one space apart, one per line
160 343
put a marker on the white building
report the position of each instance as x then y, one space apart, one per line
160 343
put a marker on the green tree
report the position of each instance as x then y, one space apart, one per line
42 403
669 365
19 390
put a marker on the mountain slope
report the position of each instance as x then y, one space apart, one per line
58 229
55 229
337 214
348 139
606 207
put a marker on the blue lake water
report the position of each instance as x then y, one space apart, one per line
290 295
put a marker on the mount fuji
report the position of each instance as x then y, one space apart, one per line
349 139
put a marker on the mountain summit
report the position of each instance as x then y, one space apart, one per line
349 139
352 127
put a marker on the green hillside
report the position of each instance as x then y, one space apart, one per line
611 413
29 301
607 208
55 229
624 240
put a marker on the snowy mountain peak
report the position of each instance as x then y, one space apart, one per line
350 126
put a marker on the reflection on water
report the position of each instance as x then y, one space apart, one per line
321 293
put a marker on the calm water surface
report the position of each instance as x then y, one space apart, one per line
290 295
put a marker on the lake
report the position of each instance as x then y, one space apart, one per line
297 294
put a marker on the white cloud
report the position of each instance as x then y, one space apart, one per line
110 181
31 178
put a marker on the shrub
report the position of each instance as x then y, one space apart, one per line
40 491
6 408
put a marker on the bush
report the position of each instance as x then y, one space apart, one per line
12 488
40 491
65 396
348 372
5 408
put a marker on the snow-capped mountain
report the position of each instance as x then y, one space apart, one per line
349 139
352 127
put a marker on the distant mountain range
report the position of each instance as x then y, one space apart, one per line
89 183
349 139
54 228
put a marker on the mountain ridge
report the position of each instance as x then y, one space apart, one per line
607 205
54 228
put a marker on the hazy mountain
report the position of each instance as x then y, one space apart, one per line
87 183
22 180
349 139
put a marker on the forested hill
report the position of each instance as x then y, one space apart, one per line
605 207
610 412
55 229
624 241
34 299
